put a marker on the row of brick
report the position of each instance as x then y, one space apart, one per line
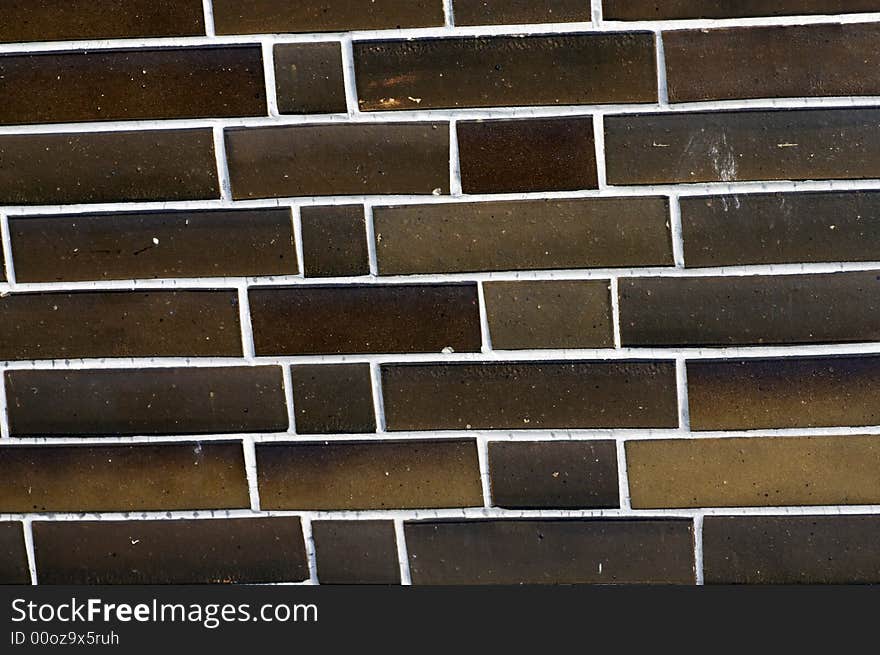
736 549
44 20
717 231
388 319
496 156
572 69
735 394
436 474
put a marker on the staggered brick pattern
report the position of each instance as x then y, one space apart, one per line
439 291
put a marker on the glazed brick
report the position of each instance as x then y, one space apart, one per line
797 60
736 146
94 167
774 228
566 69
511 12
754 472
683 9
90 324
369 475
549 314
537 154
107 402
356 552
365 319
338 160
523 235
197 243
333 399
250 550
795 392
125 478
334 241
273 16
13 555
131 84
309 79
791 549
750 310
548 474
530 395
61 20
551 551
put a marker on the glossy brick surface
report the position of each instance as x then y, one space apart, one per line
365 319
356 552
109 402
793 392
210 551
768 471
547 474
549 314
93 167
738 146
358 475
529 395
131 84
88 324
59 20
523 235
551 551
274 16
338 160
123 478
791 549
198 243
574 69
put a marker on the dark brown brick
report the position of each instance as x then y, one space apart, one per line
794 392
198 243
554 474
523 235
750 310
356 552
90 324
796 60
273 16
791 549
511 12
132 84
682 9
338 160
530 395
551 551
537 154
334 241
180 476
377 475
94 167
751 471
365 319
107 402
205 551
567 69
781 228
60 20
549 314
308 78
13 555
333 399
731 146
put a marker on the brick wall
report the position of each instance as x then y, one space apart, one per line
480 291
